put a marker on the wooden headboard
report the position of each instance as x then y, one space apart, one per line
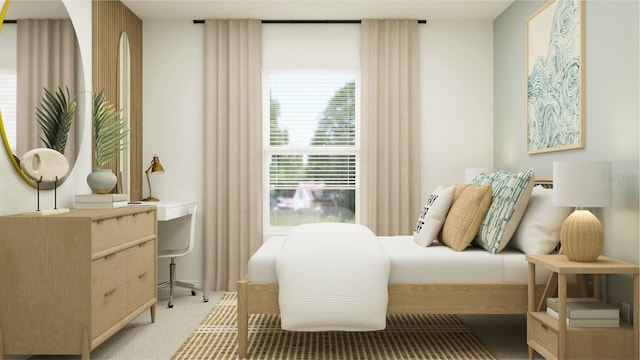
546 182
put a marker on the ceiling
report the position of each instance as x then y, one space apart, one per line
34 9
451 10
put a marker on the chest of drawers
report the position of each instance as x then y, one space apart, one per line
71 281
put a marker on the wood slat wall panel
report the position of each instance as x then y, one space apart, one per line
110 19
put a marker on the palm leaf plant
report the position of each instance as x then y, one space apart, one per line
109 129
55 115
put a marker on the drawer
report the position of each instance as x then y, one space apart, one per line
108 272
107 309
140 289
542 334
118 230
141 259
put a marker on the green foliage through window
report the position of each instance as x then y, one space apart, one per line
313 154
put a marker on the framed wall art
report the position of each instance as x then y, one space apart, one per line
555 77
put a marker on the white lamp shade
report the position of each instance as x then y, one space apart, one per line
582 183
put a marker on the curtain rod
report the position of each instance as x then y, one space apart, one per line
309 21
276 21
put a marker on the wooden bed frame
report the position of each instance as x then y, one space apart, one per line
254 298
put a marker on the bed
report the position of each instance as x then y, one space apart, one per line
428 280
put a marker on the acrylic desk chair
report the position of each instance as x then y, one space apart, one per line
170 211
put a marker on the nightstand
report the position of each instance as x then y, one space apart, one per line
553 339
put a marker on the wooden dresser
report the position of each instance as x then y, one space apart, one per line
70 281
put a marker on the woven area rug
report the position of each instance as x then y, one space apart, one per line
406 337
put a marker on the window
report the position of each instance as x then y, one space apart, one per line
310 124
8 85
8 81
311 148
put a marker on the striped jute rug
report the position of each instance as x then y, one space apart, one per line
406 337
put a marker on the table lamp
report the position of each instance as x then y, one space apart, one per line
154 168
582 184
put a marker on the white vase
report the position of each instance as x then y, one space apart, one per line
102 181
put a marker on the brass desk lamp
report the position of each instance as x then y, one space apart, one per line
154 168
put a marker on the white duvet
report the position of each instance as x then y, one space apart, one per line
332 277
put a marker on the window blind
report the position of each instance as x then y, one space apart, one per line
8 90
311 123
312 148
312 130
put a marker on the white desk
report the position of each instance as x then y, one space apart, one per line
169 210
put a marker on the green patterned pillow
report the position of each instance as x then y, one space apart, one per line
511 194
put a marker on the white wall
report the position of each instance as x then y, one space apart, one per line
15 195
456 95
173 87
8 58
456 79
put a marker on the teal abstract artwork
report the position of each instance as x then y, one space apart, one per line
554 77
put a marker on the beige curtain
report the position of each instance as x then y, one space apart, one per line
233 149
390 194
46 59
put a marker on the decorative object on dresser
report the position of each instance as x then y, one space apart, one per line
582 184
100 201
154 168
70 281
49 166
55 115
109 133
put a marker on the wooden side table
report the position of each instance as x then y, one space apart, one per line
553 339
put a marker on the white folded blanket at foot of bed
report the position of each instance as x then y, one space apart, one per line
332 277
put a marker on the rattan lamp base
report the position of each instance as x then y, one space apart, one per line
582 236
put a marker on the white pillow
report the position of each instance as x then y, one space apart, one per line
433 215
539 229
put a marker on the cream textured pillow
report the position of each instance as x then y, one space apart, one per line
511 193
432 215
470 205
539 229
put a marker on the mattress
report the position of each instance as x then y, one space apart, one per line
412 263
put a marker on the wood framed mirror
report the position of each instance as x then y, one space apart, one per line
124 99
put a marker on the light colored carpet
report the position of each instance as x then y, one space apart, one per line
406 337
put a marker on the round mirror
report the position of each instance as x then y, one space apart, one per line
124 98
30 118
